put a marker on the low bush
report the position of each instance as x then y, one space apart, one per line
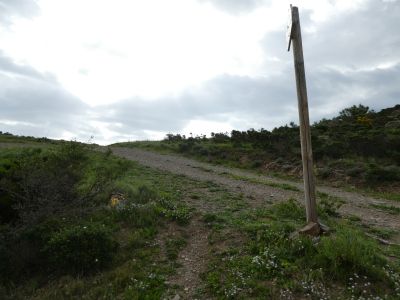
256 163
137 214
289 209
81 248
20 249
200 150
139 237
327 205
377 173
348 252
185 147
143 207
324 172
139 208
173 246
355 171
43 182
179 213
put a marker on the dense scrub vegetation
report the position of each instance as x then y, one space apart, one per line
359 146
56 220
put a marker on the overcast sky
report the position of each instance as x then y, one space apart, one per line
123 70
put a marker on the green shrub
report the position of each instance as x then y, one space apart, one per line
180 213
42 232
212 218
123 187
143 207
355 171
140 237
173 246
172 210
20 249
377 173
289 209
100 173
328 205
140 207
7 265
199 149
257 163
137 214
348 252
81 248
7 212
185 147
43 182
145 194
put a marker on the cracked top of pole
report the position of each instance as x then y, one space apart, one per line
290 28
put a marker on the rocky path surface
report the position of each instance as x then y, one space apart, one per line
251 185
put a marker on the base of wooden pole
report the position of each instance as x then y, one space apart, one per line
311 228
314 229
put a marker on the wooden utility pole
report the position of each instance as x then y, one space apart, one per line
293 36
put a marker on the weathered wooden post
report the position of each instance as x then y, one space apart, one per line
293 36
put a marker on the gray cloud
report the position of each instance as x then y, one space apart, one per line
359 38
376 88
33 103
236 6
242 101
17 8
351 58
139 114
8 66
355 39
256 102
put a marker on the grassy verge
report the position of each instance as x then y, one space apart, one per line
283 186
388 208
256 255
393 196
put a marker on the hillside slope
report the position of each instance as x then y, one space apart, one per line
149 226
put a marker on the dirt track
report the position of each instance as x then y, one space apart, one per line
355 204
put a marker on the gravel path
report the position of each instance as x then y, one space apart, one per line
258 193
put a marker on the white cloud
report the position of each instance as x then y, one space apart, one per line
127 48
125 70
10 9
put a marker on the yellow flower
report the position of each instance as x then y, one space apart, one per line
114 201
